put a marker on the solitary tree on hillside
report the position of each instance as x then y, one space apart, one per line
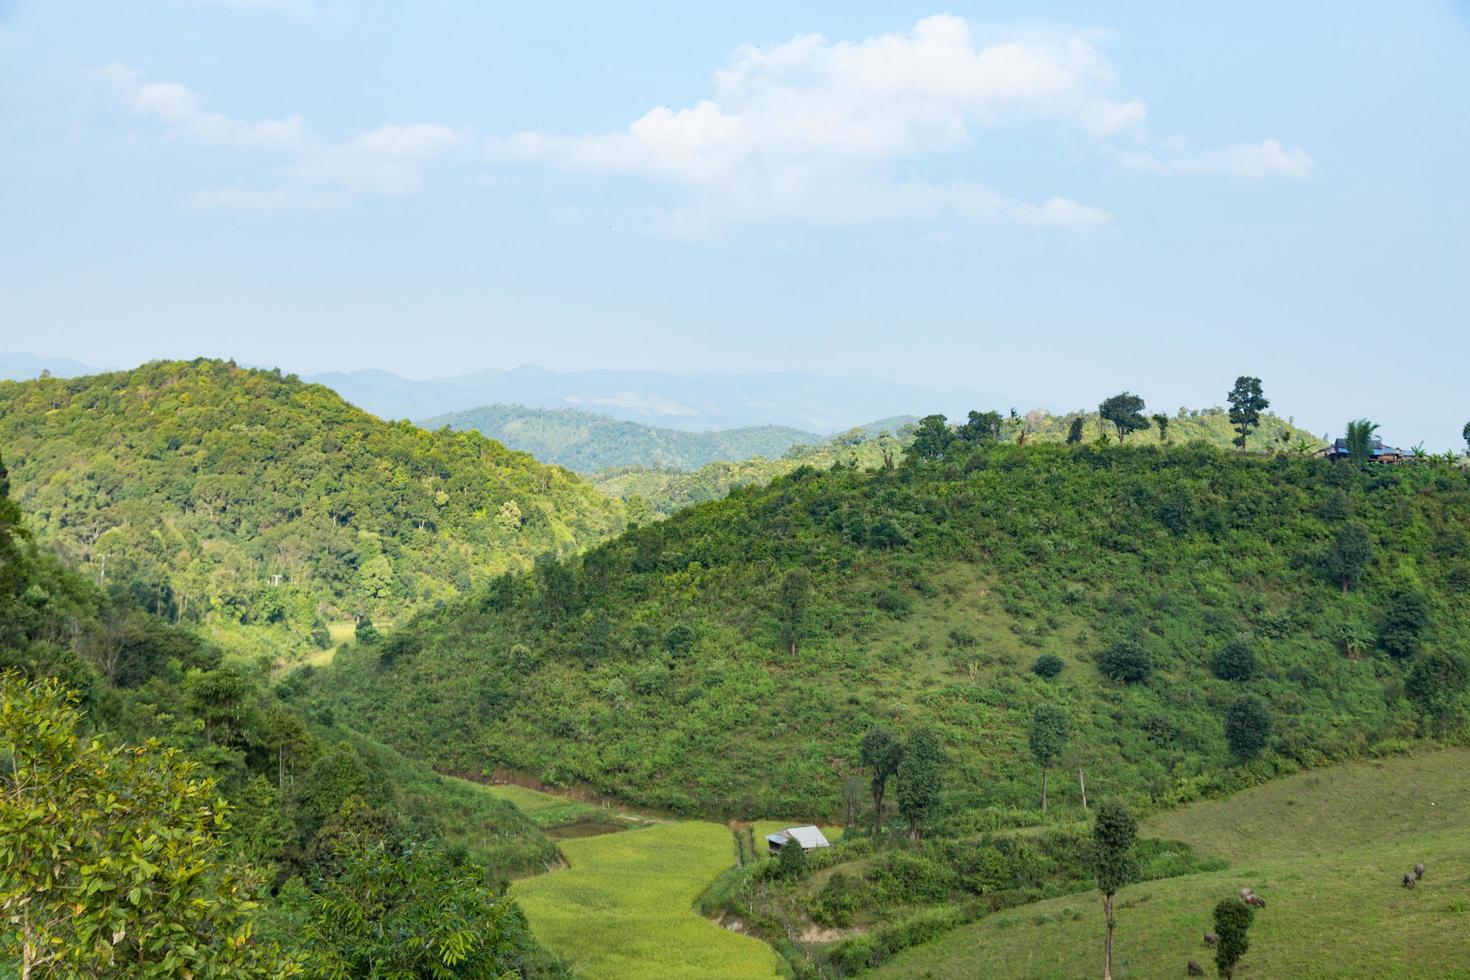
1125 411
792 602
1350 555
880 752
919 777
1232 921
1360 440
931 438
1113 834
1248 727
1465 434
1162 422
1247 402
1402 634
1049 734
1074 431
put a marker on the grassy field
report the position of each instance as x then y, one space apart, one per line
548 809
624 907
1326 849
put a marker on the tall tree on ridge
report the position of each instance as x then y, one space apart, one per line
1125 411
1360 441
1247 402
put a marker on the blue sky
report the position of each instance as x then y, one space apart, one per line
1053 201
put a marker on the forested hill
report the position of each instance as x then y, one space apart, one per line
729 659
587 442
667 490
264 507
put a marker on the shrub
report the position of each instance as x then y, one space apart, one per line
1236 661
1232 923
1402 634
791 862
1047 665
366 633
679 639
1248 727
1126 661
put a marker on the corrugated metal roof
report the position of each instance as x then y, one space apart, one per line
808 837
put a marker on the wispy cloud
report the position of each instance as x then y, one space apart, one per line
811 129
302 171
1268 158
833 132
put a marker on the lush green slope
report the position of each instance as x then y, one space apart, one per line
666 490
657 666
586 442
1326 849
299 811
263 507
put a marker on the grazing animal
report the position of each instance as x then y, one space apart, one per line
1194 969
1210 938
1409 880
1418 871
1251 898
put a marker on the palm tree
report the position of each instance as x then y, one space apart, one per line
1360 440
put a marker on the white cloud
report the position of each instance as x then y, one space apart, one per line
1268 158
836 132
810 129
308 173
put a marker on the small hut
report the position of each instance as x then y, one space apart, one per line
808 838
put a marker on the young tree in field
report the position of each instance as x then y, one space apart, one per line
931 438
1125 411
880 753
1161 421
1236 661
919 777
1113 866
1247 402
791 605
1074 431
1360 441
110 858
1350 555
1232 922
1248 727
1049 735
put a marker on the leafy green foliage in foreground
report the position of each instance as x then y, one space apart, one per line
263 507
586 442
656 667
1326 849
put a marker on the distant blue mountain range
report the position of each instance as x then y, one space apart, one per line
690 402
23 367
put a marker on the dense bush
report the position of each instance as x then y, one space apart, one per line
1048 665
1236 661
1125 661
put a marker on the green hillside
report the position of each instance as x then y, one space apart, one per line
659 667
666 490
166 813
263 508
587 442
